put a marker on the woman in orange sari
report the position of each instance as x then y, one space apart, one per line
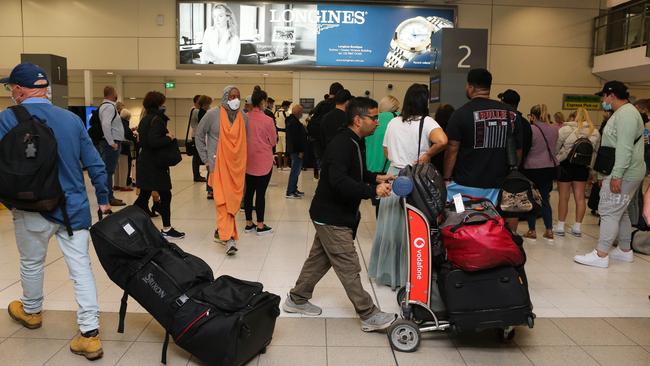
221 141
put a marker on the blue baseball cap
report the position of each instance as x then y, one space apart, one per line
27 75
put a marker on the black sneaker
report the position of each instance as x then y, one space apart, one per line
293 196
172 233
249 228
300 193
264 231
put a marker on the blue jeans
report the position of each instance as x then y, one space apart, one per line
296 166
33 232
109 156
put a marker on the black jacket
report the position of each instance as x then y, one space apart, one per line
296 135
343 183
152 132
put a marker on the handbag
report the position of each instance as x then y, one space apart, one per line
190 146
518 193
168 155
606 158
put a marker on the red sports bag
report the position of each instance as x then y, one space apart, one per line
480 240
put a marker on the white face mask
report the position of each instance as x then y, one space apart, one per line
234 104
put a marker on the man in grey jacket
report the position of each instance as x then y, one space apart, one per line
109 147
207 139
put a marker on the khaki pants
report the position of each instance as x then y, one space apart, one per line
119 179
334 248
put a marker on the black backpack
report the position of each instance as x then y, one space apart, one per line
95 130
29 167
581 152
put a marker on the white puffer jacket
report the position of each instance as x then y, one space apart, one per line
568 135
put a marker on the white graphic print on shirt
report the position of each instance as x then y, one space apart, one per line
491 128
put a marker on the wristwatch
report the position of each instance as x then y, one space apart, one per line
412 37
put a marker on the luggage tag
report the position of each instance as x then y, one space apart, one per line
458 202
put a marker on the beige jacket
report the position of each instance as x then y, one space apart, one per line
568 135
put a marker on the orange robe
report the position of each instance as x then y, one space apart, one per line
227 180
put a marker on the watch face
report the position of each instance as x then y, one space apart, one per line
414 33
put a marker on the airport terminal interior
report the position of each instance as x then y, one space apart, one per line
555 53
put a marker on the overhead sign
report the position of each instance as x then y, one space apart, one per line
170 85
574 101
311 35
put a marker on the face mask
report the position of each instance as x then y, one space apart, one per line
607 106
14 100
234 104
162 109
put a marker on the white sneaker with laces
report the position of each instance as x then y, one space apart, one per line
619 255
592 259
559 231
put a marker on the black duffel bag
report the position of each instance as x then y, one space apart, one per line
222 322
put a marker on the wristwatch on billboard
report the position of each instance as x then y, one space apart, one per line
412 37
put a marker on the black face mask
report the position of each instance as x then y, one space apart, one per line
645 118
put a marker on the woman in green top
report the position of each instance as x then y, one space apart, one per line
375 159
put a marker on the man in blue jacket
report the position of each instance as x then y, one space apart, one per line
28 85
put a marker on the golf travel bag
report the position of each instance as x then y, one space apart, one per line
226 321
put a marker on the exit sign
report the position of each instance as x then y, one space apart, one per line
170 85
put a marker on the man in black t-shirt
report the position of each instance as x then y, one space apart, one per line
476 158
336 119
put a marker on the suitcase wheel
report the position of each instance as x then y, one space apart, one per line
404 336
506 334
531 321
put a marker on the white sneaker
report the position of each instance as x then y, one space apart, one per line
576 233
559 231
622 256
592 259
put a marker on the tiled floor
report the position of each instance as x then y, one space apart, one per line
559 289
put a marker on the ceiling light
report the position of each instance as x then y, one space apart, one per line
109 73
265 74
132 98
198 74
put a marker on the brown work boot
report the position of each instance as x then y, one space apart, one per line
29 321
89 347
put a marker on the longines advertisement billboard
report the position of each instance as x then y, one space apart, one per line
304 35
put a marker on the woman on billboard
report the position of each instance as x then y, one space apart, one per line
220 40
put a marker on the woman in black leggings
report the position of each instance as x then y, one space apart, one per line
259 163
153 136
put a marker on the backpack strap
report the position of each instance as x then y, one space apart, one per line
21 113
420 136
189 121
163 358
123 305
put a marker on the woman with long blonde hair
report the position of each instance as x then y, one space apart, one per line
220 40
573 177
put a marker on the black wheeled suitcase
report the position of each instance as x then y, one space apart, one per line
222 322
493 298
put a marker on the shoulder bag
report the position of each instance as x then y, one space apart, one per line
518 193
168 155
189 144
550 155
606 158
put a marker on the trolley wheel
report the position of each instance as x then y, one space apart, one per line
404 336
401 295
531 321
506 334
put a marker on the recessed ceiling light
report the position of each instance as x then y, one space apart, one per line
198 74
132 98
265 74
109 73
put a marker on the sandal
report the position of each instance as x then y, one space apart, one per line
530 234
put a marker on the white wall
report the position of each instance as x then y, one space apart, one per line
540 48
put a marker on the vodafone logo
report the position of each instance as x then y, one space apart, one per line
419 243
